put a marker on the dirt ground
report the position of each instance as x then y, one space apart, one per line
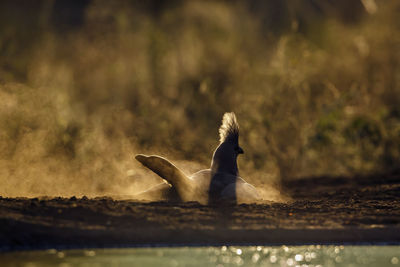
324 210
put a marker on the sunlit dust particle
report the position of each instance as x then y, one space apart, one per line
255 257
313 255
272 259
90 253
60 254
290 262
238 260
239 251
223 248
52 251
298 257
307 256
394 260
225 259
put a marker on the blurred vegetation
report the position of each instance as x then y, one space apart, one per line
84 85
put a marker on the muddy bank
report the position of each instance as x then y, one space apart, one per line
323 210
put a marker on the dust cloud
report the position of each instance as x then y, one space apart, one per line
315 92
50 147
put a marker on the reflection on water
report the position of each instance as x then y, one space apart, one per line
303 256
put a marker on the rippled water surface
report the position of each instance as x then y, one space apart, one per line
211 256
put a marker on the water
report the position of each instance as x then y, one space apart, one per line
302 256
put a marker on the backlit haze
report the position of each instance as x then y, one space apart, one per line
86 85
